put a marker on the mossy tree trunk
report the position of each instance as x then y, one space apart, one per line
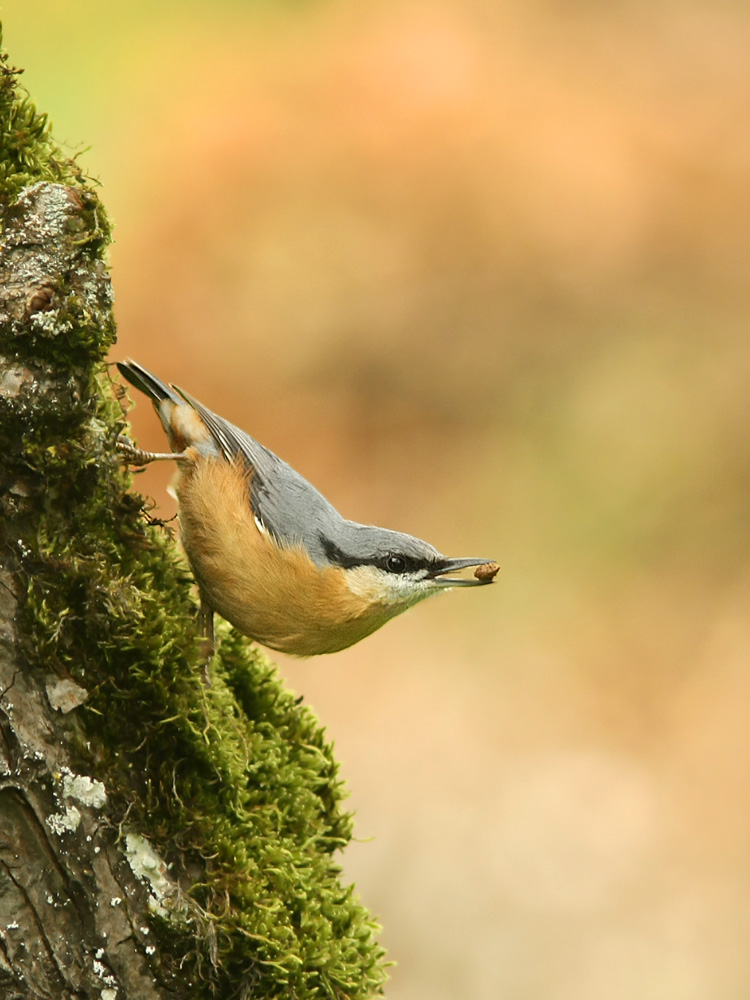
157 837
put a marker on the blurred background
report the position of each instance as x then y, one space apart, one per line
480 271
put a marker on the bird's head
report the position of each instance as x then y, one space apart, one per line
398 570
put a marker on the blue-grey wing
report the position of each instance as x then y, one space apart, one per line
283 501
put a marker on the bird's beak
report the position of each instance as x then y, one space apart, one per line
439 579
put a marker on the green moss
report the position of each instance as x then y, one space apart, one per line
234 784
27 152
237 772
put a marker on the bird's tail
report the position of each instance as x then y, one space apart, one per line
156 390
183 424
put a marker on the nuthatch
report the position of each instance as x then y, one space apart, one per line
269 552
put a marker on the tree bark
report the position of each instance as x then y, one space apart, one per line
63 877
158 838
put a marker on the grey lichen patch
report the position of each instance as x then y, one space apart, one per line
63 694
151 869
55 288
66 821
86 790
110 990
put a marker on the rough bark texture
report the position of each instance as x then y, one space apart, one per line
157 837
63 877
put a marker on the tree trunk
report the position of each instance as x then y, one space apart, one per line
158 837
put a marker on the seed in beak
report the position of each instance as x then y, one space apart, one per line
487 572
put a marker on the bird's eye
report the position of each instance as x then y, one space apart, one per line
395 564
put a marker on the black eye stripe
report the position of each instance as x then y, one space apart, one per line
387 562
338 556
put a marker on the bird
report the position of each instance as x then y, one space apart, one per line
268 551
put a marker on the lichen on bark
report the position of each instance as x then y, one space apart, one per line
158 837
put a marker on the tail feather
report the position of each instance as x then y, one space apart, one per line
182 422
142 379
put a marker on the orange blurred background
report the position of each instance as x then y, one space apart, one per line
480 272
